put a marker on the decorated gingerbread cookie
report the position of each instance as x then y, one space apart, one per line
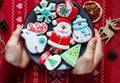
60 37
81 30
71 55
35 43
67 10
50 61
45 13
56 33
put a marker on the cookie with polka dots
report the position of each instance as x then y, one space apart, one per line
71 56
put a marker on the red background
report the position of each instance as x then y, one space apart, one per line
107 71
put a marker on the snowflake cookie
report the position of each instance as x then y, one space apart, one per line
45 13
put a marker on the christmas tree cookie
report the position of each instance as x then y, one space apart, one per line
70 56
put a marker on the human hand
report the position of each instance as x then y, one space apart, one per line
92 56
15 52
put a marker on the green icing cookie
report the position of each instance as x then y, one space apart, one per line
52 62
71 56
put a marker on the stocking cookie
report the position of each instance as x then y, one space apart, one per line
81 31
44 57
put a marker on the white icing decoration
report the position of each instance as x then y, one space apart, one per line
19 19
34 43
19 5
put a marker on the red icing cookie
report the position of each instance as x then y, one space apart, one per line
67 10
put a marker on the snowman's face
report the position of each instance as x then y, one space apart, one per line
63 29
79 37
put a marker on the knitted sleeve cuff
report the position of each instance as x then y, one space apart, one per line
9 72
84 78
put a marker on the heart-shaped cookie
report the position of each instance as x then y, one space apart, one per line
37 27
67 10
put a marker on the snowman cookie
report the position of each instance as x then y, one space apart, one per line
34 43
81 30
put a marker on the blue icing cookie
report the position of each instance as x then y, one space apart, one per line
81 31
45 12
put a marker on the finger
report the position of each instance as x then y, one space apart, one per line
91 48
16 34
21 41
25 59
98 50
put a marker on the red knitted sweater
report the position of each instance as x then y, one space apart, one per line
9 74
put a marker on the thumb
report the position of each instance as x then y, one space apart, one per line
91 47
16 34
